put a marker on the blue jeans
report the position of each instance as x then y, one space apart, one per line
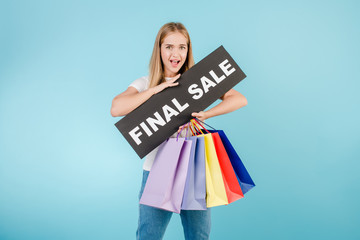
153 221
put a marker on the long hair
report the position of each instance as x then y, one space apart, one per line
156 68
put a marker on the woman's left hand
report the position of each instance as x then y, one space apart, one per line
200 115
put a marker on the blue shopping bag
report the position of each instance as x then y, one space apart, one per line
195 189
246 183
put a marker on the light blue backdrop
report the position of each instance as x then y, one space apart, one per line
67 173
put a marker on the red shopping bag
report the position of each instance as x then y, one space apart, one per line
232 186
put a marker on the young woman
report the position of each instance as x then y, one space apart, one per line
171 56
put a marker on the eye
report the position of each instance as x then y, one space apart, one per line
182 47
168 47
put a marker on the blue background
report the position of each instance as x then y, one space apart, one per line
67 173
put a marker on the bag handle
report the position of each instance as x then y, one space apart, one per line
182 127
198 121
196 128
194 125
191 129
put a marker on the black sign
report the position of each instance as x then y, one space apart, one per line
158 118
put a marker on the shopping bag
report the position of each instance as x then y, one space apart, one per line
245 181
232 186
215 188
195 188
165 185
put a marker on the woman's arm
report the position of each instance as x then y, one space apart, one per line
130 99
231 101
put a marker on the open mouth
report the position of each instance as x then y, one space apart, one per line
174 63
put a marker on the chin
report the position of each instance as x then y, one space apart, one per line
179 68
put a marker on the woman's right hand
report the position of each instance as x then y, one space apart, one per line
169 83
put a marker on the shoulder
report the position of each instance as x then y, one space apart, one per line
141 84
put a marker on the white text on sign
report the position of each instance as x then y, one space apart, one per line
206 83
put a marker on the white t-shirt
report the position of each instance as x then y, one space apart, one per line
142 84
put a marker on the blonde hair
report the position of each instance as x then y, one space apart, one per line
156 68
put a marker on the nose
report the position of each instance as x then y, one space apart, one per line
175 52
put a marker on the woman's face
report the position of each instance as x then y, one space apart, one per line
173 53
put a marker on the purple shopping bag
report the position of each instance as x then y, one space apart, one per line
195 186
166 182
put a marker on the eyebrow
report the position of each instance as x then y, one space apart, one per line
169 44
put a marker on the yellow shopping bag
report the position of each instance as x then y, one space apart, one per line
215 188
